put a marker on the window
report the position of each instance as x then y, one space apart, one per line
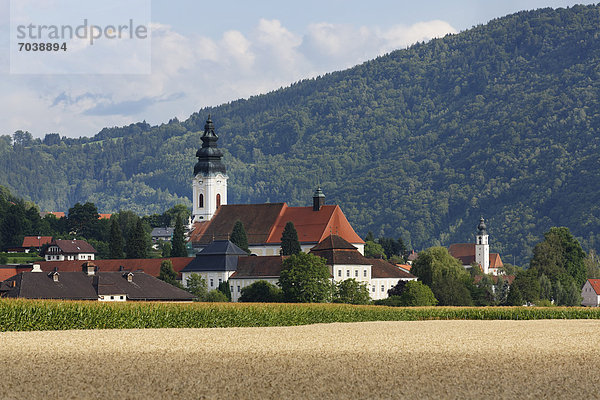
112 297
347 273
238 288
383 288
201 201
220 281
211 282
356 273
365 273
340 273
373 289
218 200
121 297
231 289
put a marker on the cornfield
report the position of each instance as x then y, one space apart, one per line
32 315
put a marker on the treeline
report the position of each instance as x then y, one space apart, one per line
501 120
124 235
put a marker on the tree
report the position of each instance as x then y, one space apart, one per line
445 275
416 294
83 220
195 284
178 240
261 292
397 289
137 242
116 240
238 236
351 291
289 240
528 285
592 264
225 289
374 250
216 296
165 248
514 297
559 253
168 274
305 278
545 288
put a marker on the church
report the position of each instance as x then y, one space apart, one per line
477 253
213 218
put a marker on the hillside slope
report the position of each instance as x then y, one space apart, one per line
501 120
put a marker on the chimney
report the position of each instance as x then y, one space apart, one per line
89 268
318 199
36 268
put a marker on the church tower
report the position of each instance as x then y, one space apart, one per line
482 248
210 177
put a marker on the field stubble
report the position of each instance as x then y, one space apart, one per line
419 359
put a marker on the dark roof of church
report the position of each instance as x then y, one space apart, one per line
335 250
264 267
384 269
80 286
220 255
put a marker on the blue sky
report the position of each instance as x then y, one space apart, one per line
206 53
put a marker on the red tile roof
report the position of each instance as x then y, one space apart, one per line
151 266
104 216
405 267
595 285
264 223
57 214
258 267
35 241
384 269
465 252
7 271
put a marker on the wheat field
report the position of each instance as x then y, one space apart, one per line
371 360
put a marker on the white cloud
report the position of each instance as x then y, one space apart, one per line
192 71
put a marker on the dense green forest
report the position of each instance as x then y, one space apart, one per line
501 120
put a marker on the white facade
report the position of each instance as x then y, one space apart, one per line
589 295
274 249
54 254
237 284
209 193
482 253
360 273
113 297
378 288
213 278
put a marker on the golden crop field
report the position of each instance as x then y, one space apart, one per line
369 360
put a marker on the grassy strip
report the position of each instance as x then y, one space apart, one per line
30 315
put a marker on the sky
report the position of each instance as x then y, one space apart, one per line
205 53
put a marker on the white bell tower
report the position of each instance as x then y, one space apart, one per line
209 184
482 247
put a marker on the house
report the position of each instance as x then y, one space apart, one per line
344 262
30 242
90 284
215 263
478 253
213 218
57 214
60 250
591 293
164 234
412 256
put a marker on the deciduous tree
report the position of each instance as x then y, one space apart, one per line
305 278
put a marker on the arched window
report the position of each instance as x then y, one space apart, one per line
218 200
201 201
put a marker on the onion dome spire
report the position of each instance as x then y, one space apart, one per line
481 228
209 156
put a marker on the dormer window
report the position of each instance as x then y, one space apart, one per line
130 277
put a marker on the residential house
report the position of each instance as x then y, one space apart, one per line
61 250
591 293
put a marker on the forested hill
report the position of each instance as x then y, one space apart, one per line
501 120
